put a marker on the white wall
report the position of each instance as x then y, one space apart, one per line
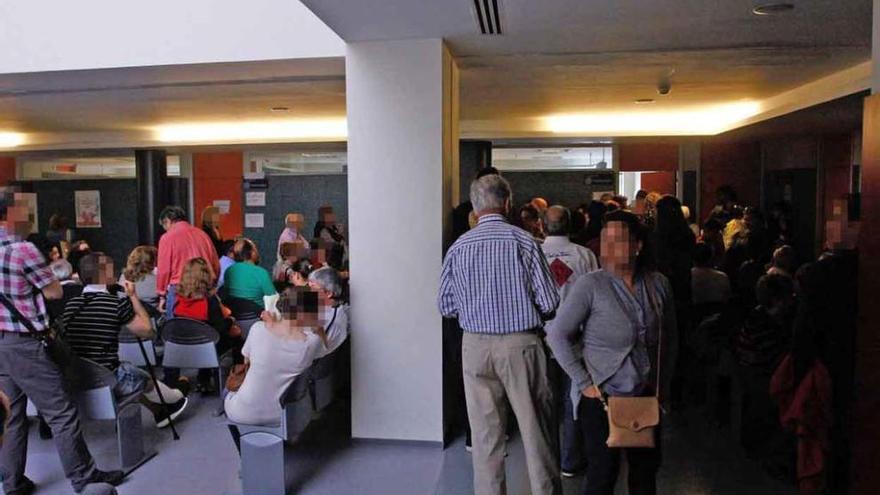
68 35
395 99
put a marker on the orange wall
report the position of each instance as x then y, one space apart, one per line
7 170
661 182
647 157
219 176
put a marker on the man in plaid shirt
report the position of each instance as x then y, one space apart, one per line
26 370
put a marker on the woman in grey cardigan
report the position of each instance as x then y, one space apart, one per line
605 336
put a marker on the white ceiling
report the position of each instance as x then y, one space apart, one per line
556 56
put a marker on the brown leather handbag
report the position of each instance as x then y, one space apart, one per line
236 376
632 421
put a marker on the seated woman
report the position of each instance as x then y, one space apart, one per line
197 301
246 280
290 254
140 269
277 351
328 284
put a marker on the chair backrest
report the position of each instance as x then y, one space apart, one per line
131 352
199 356
243 309
184 331
298 389
93 385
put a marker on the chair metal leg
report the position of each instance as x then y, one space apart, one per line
130 439
262 464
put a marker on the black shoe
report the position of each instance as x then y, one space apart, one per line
45 431
183 385
114 478
27 488
170 413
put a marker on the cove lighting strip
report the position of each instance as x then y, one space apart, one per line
708 120
247 132
11 139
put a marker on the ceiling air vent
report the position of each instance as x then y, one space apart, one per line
488 18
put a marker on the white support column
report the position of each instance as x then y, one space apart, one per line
402 100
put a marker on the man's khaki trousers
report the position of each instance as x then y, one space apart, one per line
510 368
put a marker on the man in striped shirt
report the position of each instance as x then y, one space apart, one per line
496 281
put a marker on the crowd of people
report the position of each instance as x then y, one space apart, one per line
55 288
565 311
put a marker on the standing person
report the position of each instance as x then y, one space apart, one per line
181 243
496 281
211 226
294 223
617 316
26 369
530 220
674 244
568 262
595 215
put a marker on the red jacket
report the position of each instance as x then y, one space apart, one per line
180 244
805 409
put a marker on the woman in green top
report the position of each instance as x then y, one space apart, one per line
246 279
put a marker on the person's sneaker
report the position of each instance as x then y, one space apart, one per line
468 448
170 413
114 478
568 474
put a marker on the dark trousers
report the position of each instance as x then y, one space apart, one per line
572 456
26 371
603 463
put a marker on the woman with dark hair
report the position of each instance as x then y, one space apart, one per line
674 244
595 215
607 337
246 279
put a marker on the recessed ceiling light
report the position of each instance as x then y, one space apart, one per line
644 101
773 8
279 109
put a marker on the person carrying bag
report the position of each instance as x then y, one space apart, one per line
613 335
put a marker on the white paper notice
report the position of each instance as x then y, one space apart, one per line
222 205
253 220
257 198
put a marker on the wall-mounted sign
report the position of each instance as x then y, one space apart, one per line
253 220
256 198
88 209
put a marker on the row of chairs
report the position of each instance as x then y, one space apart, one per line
188 344
263 457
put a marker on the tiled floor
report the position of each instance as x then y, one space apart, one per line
698 460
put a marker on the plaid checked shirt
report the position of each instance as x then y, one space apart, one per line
495 280
23 271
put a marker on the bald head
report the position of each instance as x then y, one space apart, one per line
557 220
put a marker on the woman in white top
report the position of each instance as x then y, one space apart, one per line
278 351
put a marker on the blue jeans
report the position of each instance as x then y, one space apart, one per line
129 379
170 300
572 438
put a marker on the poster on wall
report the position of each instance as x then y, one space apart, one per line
223 205
30 199
88 209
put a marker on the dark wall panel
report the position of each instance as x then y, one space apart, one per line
557 187
118 233
296 193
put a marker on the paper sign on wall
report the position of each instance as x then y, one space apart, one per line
253 220
88 209
255 198
597 195
222 205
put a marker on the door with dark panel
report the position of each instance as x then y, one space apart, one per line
797 187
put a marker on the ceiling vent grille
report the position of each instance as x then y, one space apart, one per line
488 16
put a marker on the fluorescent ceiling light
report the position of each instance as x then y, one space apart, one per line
11 139
705 120
253 132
